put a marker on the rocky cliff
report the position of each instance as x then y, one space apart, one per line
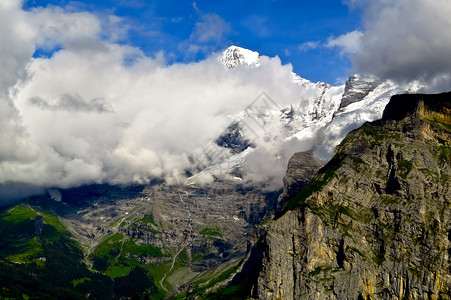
375 222
302 167
357 88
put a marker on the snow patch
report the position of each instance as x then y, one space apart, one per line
234 56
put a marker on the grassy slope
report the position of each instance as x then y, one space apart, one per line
123 259
37 249
39 260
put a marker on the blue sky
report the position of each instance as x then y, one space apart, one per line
98 91
188 31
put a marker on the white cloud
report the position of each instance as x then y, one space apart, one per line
55 27
309 46
97 111
405 40
210 28
261 165
209 34
16 47
348 43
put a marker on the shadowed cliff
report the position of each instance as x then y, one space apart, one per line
375 222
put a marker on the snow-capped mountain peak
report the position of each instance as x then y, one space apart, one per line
235 56
318 119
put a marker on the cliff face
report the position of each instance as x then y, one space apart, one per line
357 88
302 167
375 223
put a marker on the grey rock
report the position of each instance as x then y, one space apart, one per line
210 224
375 223
356 88
302 167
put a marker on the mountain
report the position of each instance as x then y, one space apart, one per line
184 239
317 120
357 88
374 223
235 56
40 259
154 240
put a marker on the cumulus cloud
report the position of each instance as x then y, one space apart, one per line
405 40
97 111
55 27
268 164
348 43
16 47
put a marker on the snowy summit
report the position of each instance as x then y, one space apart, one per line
235 56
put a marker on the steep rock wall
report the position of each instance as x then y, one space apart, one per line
375 223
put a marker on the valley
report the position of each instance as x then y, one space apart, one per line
221 231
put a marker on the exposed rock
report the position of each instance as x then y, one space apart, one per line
214 219
210 224
357 88
375 223
235 56
234 139
302 167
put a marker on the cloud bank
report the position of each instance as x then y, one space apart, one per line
406 40
99 111
349 43
96 111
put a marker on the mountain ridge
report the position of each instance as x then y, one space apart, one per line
361 228
318 120
235 56
187 236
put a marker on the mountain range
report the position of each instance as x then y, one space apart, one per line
318 120
290 238
374 223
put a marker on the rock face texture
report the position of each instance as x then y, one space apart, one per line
357 88
375 222
302 167
177 232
